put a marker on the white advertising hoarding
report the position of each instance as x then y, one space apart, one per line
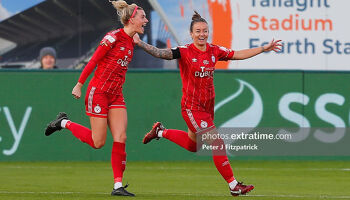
315 33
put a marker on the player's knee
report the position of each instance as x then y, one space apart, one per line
120 137
99 144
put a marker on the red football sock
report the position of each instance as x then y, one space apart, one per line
221 162
81 132
223 166
118 160
180 138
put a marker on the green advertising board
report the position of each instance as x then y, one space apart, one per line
29 100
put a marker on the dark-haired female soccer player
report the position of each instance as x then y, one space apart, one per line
104 98
197 64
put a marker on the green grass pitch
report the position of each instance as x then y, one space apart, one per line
175 180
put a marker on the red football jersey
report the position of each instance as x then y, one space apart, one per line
197 71
112 58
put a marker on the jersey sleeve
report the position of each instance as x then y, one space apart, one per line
224 54
109 40
98 55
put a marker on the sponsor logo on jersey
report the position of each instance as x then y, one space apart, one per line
205 62
213 59
204 73
122 48
194 60
97 109
124 62
204 124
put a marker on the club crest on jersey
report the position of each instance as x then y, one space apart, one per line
97 109
194 60
205 62
213 59
129 52
204 124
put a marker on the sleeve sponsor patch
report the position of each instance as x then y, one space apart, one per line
224 49
225 53
108 40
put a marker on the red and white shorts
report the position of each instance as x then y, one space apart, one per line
98 103
198 121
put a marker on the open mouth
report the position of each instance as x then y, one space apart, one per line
201 39
143 27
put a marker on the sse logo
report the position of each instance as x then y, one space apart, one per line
253 115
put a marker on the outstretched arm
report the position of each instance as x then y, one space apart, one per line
154 51
248 53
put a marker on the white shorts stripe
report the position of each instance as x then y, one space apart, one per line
96 114
117 105
193 121
91 97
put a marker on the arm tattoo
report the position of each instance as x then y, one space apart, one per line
154 51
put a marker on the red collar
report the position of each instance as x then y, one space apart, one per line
198 50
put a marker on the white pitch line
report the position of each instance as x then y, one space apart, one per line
180 168
8 192
191 194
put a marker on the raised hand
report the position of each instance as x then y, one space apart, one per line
136 38
273 46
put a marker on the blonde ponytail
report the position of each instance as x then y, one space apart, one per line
124 10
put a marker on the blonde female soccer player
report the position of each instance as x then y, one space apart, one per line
104 101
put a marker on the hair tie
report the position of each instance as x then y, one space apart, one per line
133 13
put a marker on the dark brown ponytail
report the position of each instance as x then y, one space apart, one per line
196 18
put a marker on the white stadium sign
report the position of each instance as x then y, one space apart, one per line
315 33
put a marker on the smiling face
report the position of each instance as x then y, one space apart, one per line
48 62
139 21
200 33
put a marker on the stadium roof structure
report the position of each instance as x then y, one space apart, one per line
72 27
56 18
